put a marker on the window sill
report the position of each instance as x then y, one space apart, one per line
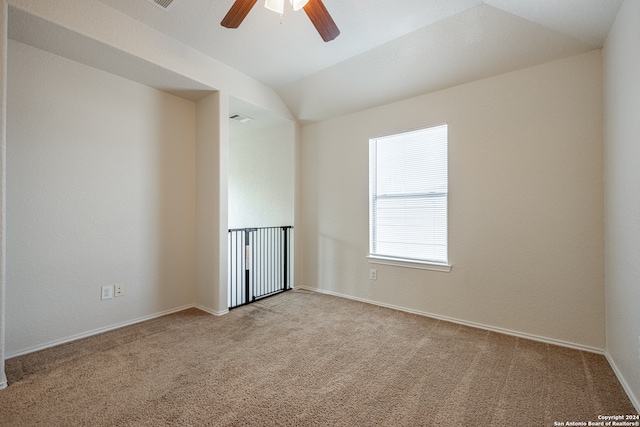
409 263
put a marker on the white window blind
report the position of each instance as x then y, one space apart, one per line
408 195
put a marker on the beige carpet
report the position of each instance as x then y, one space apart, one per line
306 359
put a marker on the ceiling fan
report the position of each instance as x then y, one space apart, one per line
315 10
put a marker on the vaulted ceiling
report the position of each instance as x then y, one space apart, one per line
387 50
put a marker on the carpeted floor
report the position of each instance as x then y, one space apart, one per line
306 359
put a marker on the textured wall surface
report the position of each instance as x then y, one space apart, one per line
3 183
261 178
212 150
101 190
622 190
525 203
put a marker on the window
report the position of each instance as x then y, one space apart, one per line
408 197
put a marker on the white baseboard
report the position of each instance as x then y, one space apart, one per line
208 310
99 331
632 397
462 322
3 385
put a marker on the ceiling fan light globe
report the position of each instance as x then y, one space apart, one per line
275 5
298 4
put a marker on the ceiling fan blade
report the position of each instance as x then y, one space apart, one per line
319 16
237 13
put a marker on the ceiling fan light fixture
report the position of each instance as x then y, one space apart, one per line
275 5
298 4
278 5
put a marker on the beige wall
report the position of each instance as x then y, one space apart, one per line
622 190
101 190
525 204
212 156
261 178
3 181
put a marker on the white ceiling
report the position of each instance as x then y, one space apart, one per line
387 50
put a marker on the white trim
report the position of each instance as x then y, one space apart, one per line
409 263
625 386
464 322
3 385
99 331
208 310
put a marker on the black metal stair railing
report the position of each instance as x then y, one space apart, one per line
260 263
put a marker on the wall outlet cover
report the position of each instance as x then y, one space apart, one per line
107 292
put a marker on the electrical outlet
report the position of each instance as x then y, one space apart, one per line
107 292
119 290
373 274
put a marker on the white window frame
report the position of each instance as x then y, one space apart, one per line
377 257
